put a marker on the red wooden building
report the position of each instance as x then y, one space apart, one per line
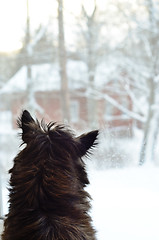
46 98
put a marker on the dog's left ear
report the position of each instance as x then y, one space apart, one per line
24 123
87 142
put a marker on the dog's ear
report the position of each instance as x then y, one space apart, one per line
86 142
24 122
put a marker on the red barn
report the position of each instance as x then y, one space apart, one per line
109 97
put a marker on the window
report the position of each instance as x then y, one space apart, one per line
109 111
125 102
74 111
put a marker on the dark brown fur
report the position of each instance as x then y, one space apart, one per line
47 196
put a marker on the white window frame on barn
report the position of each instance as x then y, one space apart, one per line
74 111
109 111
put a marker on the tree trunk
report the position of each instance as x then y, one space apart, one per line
155 127
144 147
65 98
30 91
91 102
1 202
91 64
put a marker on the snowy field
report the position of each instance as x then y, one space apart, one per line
125 203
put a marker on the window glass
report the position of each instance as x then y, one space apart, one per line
89 64
74 111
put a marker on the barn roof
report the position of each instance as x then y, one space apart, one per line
45 77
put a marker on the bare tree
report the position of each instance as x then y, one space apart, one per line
141 66
1 203
30 92
65 98
27 57
91 36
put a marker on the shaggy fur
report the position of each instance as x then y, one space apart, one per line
47 196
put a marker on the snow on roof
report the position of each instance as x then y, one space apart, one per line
45 77
16 83
77 74
104 73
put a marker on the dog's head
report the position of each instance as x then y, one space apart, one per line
56 146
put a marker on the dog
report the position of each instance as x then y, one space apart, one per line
47 196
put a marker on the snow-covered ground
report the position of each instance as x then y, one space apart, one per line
125 203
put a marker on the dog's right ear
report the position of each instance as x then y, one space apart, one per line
24 123
87 141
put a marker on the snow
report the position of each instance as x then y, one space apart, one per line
125 203
125 110
77 74
46 77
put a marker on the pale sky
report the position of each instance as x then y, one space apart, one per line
13 17
13 20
